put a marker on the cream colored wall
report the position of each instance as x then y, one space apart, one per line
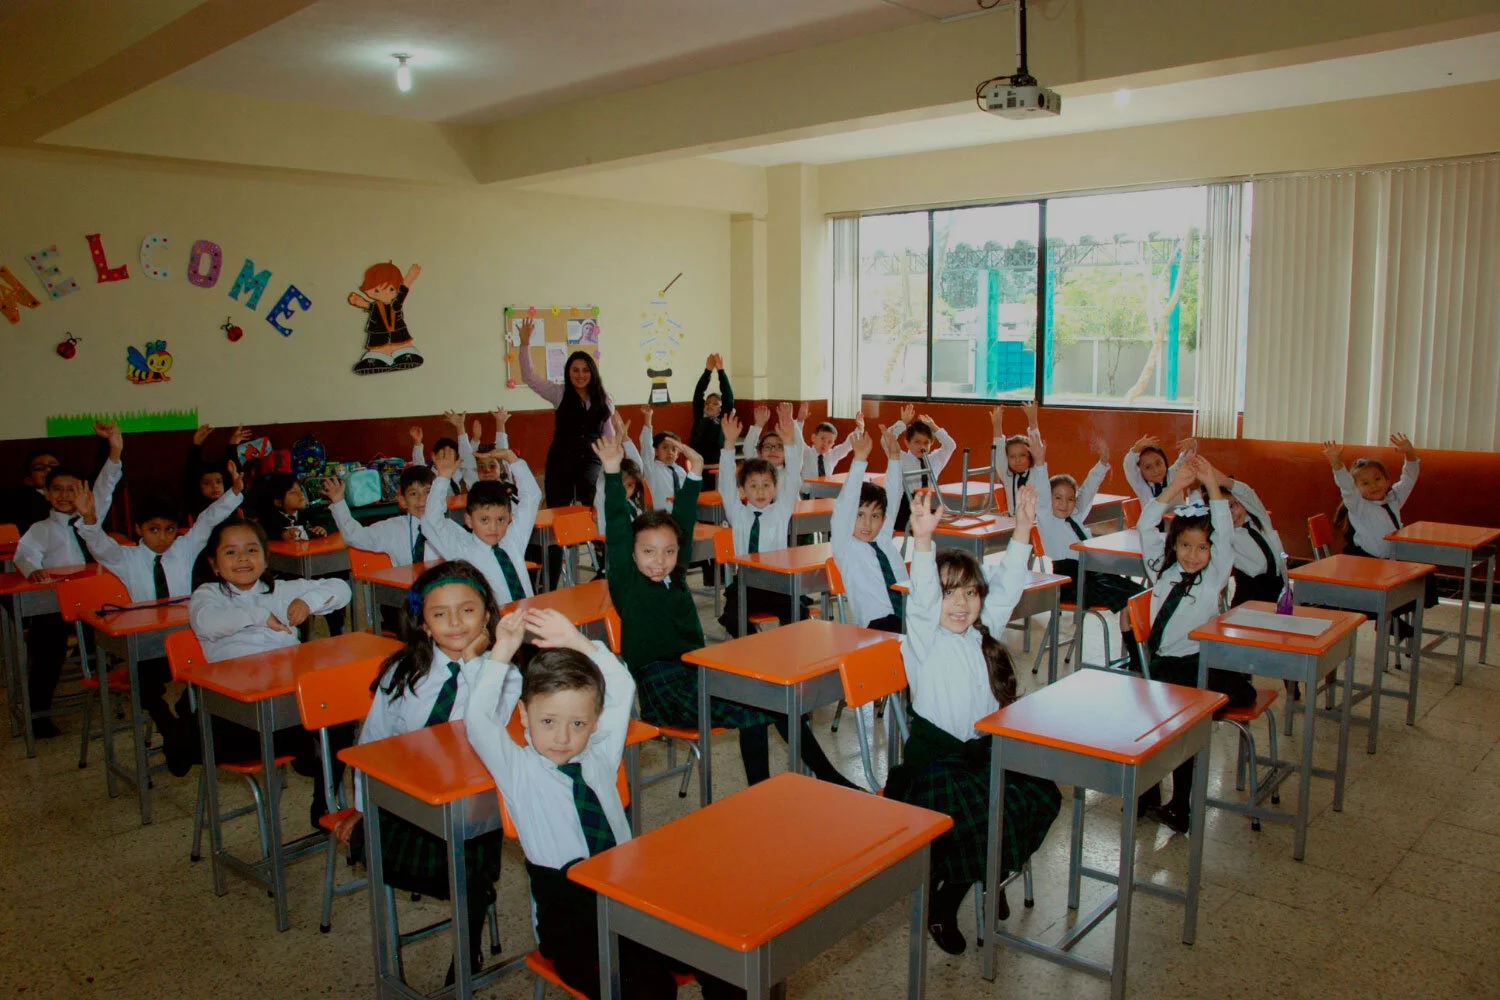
479 250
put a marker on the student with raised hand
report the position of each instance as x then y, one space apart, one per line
204 482
760 523
1015 450
861 532
919 433
1146 468
707 438
630 472
499 516
821 456
663 475
1371 502
402 537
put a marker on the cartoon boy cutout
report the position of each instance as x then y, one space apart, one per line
388 344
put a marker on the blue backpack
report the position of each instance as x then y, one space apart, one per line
308 457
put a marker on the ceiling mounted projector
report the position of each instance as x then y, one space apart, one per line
1018 96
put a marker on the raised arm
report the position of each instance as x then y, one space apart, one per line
701 389
1411 467
528 498
216 513
493 701
846 507
1008 581
450 539
539 385
1091 483
924 605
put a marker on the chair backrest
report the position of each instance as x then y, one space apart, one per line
724 545
333 696
184 652
1138 608
575 528
9 534
1320 533
1130 509
1037 548
82 594
365 561
613 629
835 579
872 672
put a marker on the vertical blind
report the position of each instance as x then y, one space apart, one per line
1375 306
1216 409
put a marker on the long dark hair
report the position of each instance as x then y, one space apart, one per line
1341 516
203 569
410 664
597 402
958 569
1169 557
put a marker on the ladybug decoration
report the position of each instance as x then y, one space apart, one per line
231 331
68 348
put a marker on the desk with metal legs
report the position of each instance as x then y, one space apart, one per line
1461 547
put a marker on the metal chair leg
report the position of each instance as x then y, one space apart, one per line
494 925
539 992
83 740
261 820
1026 884
1275 753
687 772
333 857
198 809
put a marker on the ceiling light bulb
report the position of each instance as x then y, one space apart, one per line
1122 98
403 74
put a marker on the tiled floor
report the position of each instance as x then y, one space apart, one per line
1399 895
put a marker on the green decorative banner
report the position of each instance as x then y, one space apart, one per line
82 424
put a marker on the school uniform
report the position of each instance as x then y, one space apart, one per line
468 469
758 530
637 503
51 543
1369 521
1108 590
663 479
402 538
503 564
1145 491
816 464
1012 481
930 465
707 437
1259 558
869 569
945 764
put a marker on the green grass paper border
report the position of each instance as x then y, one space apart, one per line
82 424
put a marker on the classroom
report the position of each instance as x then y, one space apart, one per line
1080 415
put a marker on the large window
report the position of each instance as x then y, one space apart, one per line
955 304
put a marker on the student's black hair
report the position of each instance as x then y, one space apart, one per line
1366 463
1168 558
414 475
653 519
598 401
58 472
275 487
828 427
1152 447
755 465
214 470
445 442
660 436
1020 440
765 440
552 670
153 507
629 467
203 569
36 453
1062 479
959 569
492 493
404 668
873 495
487 448
917 427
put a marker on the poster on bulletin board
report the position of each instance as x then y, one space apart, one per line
548 334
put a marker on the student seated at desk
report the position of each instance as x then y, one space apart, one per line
663 475
499 516
204 481
1189 567
659 619
707 438
868 559
959 673
445 448
773 446
822 456
50 543
157 569
401 537
282 509
238 609
560 788
920 455
1259 559
1015 450
760 522
631 471
447 624
1146 468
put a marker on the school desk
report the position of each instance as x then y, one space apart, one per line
794 571
792 669
133 635
312 557
828 487
752 888
1289 657
811 517
584 605
1118 552
1108 508
21 599
1381 586
543 537
977 534
1121 735
387 588
1461 547
711 507
260 691
432 778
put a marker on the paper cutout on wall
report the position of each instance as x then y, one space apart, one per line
43 262
14 296
548 336
252 281
149 365
661 335
388 343
283 308
234 333
209 249
68 349
101 262
148 263
133 422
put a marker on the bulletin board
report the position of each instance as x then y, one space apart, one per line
557 332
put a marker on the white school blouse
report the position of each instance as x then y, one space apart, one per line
394 714
50 542
1368 518
230 622
1057 537
1248 557
663 479
1015 480
1204 600
775 520
950 684
394 536
539 797
1144 490
869 597
135 565
459 543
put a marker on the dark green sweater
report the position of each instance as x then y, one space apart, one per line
659 621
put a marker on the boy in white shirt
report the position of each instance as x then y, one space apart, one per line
920 455
868 559
760 522
663 475
822 457
401 537
500 516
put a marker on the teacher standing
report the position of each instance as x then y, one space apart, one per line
581 416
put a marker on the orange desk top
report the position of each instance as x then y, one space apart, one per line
974 526
1126 543
795 559
710 498
1364 572
154 618
739 874
547 515
398 576
309 547
789 654
1099 713
1457 536
1344 622
583 604
271 675
703 531
839 478
14 583
821 506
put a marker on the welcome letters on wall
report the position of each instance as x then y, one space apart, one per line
204 268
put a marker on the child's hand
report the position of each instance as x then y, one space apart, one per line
646 414
762 415
1403 443
892 445
552 630
1182 479
611 452
316 532
276 624
804 411
1037 446
997 421
297 612
924 518
908 414
1187 446
289 534
862 443
930 421
333 489
527 325
510 632
39 576
84 505
456 419
344 828
240 435
784 415
784 425
621 426
711 362
202 433
694 460
1029 408
358 301
1025 512
445 462
416 434
1334 453
1146 441
859 418
1209 477
501 415
476 645
731 427
236 479
507 456
1101 449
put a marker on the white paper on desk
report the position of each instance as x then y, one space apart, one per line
1269 622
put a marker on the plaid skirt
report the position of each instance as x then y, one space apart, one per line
953 786
668 690
408 850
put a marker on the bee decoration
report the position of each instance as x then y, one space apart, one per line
150 365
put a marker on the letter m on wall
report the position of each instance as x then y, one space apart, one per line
251 281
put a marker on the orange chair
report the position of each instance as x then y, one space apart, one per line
74 598
840 597
183 653
1130 510
545 972
1247 765
365 561
1320 533
575 528
723 559
9 534
1096 611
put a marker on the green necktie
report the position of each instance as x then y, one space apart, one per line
596 829
443 707
419 547
88 557
508 568
755 534
898 599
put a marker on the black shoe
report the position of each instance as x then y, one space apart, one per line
947 937
1150 799
1003 906
44 729
1172 816
411 359
369 366
180 744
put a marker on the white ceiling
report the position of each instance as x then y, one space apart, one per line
479 60
1441 64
